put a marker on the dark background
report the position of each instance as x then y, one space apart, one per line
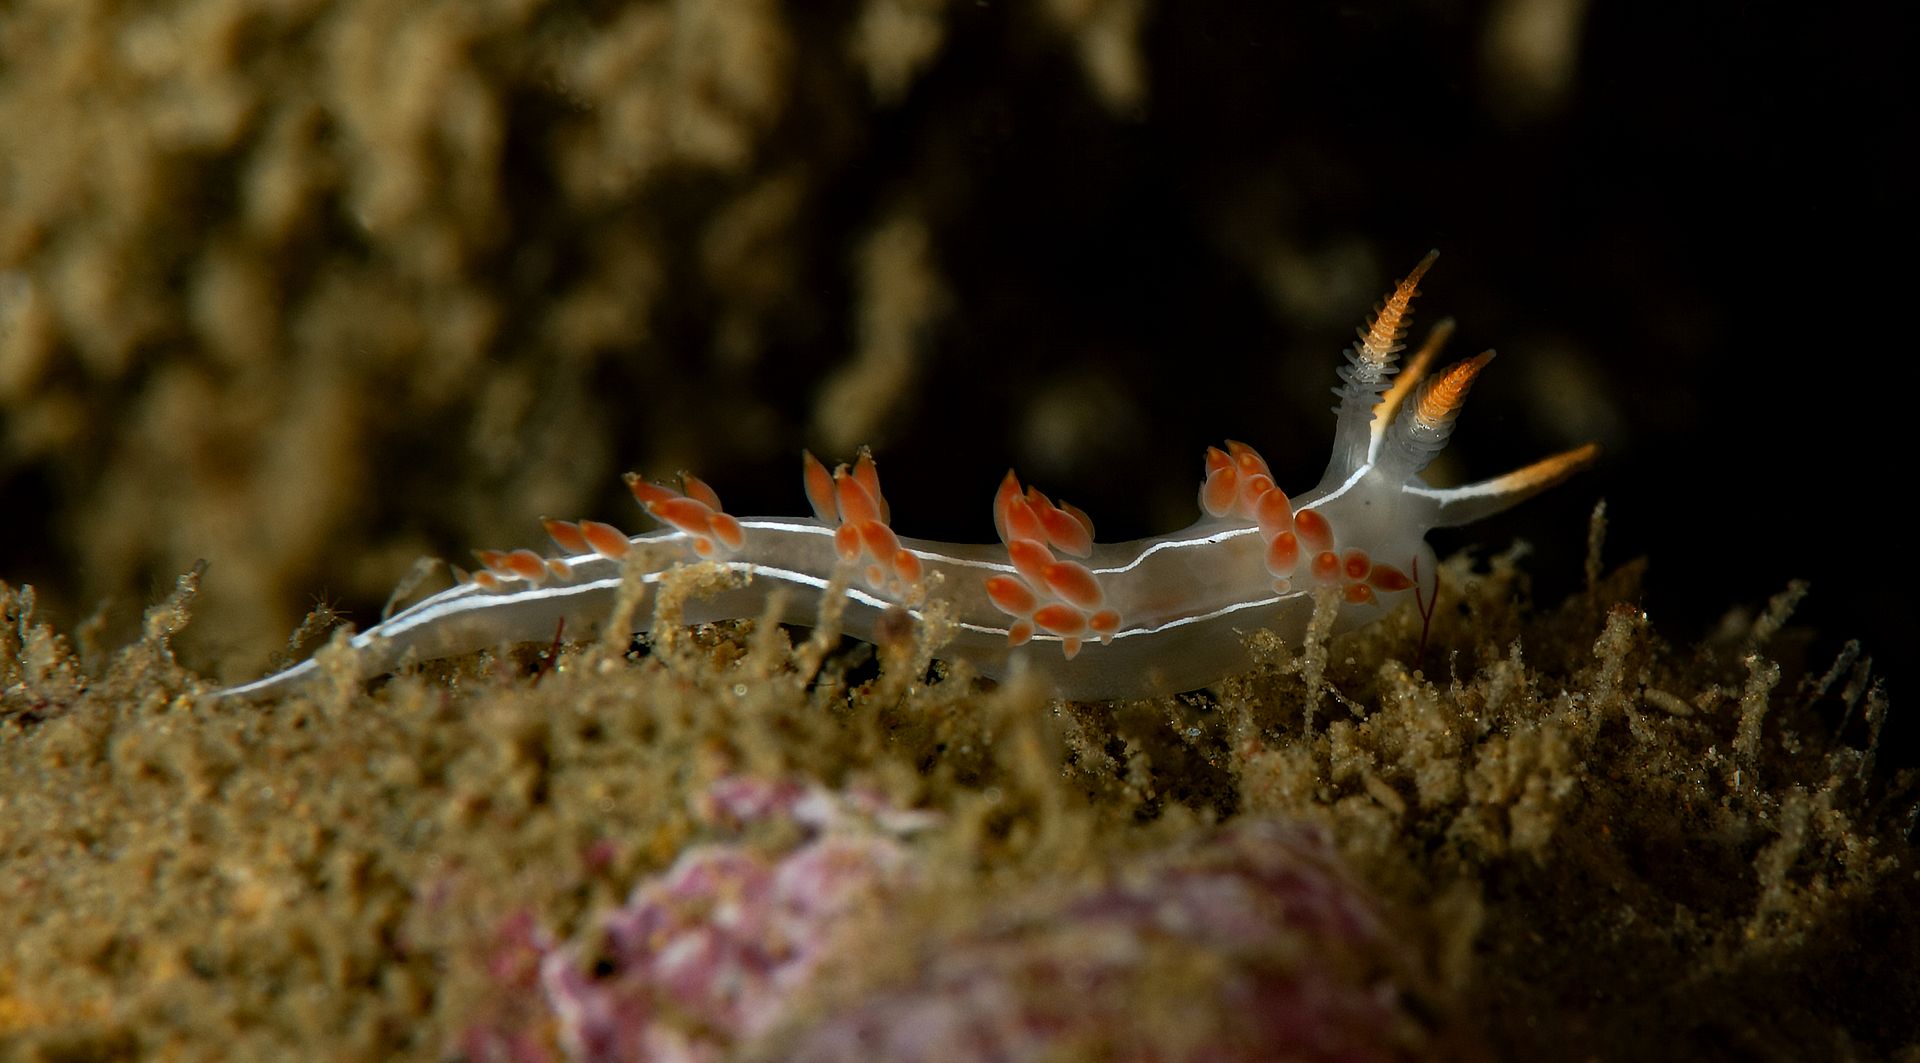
1675 240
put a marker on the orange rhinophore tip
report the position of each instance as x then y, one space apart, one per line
605 539
1413 372
819 488
1382 338
1440 402
1217 459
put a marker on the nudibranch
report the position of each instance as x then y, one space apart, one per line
1096 620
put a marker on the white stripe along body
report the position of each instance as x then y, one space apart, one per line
1153 615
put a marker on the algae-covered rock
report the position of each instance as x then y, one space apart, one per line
1515 828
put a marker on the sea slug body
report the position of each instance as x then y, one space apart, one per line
1097 620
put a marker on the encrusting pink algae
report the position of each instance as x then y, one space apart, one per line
1285 956
710 953
1291 955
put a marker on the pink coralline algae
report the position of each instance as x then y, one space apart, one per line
708 954
1253 944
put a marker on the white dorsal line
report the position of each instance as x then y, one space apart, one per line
475 598
1176 607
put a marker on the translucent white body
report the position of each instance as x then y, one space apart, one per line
1185 601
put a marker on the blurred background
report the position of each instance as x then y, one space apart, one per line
310 290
